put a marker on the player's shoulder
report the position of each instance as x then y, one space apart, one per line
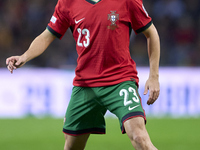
134 1
66 3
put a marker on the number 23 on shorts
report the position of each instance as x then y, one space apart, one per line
135 98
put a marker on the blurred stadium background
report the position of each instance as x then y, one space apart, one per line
33 99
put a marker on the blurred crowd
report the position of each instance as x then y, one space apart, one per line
177 22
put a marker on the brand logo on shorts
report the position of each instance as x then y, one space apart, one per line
113 17
131 108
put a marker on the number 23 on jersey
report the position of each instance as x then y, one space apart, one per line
83 33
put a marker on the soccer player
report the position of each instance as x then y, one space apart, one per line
106 76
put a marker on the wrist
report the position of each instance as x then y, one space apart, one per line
154 76
24 57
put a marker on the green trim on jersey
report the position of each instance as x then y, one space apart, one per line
57 35
145 27
92 1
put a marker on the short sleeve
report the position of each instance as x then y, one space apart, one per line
60 21
140 20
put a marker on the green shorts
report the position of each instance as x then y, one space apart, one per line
88 105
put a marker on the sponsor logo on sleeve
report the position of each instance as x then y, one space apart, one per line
53 19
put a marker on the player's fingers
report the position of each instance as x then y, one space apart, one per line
18 62
150 99
157 93
8 60
153 97
145 90
10 68
11 65
12 60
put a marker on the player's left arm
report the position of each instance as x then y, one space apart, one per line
153 46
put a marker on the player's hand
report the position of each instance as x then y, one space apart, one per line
152 84
14 62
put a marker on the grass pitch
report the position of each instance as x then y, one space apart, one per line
46 134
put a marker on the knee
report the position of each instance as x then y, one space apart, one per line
139 140
142 142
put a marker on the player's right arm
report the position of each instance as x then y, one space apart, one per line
36 48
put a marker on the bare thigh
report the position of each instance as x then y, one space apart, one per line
75 142
135 126
136 131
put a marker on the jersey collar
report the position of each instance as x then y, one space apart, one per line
92 2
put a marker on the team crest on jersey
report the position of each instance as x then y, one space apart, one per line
113 17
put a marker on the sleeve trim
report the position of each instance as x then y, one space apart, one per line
144 28
58 35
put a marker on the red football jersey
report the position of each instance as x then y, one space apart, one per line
101 31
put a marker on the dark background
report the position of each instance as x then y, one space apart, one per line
177 21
